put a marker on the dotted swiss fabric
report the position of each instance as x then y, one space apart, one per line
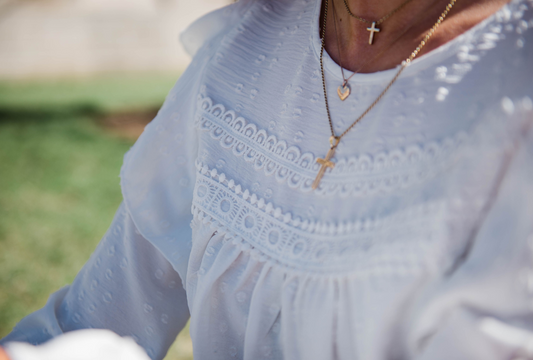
421 232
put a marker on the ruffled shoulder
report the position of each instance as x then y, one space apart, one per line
158 174
209 26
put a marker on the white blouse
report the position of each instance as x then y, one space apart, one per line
417 245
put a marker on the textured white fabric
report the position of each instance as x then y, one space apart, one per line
80 345
422 231
127 286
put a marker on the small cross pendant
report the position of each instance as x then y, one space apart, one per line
326 162
372 30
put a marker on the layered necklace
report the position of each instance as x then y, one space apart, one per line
334 140
378 22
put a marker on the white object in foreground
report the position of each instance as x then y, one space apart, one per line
89 344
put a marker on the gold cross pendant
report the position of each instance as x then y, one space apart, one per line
334 141
372 30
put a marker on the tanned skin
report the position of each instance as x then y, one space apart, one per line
418 16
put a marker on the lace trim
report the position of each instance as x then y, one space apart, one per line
356 176
306 245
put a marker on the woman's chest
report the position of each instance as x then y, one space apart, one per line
405 207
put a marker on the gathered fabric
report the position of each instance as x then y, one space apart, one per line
417 245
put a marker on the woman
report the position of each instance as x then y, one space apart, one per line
414 244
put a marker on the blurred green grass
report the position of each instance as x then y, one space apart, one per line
107 93
59 181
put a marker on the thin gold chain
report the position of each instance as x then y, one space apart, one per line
404 64
377 21
344 80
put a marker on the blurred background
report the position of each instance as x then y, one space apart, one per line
79 80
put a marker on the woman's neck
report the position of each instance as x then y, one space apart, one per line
369 9
400 33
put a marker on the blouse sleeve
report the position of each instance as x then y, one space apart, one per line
159 172
127 286
484 308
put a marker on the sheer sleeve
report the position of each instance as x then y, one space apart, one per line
484 308
131 284
127 286
159 172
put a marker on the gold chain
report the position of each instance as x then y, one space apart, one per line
377 21
403 66
334 140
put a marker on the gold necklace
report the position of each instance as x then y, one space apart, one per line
373 29
344 90
334 140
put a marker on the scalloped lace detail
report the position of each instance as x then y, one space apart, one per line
316 246
355 176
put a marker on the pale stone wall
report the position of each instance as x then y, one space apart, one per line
43 38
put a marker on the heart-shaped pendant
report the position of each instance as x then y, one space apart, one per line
343 91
